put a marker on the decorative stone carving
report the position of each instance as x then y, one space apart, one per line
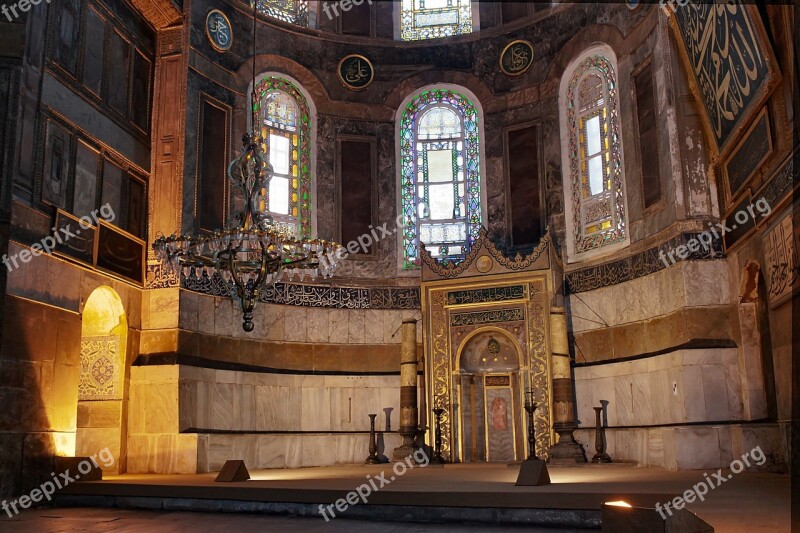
101 369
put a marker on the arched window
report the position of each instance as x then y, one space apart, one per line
293 11
440 178
594 180
286 136
428 19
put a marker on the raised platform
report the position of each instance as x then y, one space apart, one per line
483 494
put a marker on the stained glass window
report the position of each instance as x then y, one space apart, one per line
428 19
440 176
286 138
294 11
595 155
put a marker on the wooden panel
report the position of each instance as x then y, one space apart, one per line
120 253
511 11
84 194
163 189
118 71
56 165
80 244
65 50
648 136
113 188
212 167
356 165
135 212
94 47
525 201
140 91
357 21
749 155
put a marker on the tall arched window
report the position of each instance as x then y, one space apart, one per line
428 19
286 131
594 181
440 179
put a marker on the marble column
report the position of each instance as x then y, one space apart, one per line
409 412
566 450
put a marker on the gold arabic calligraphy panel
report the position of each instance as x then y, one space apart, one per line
729 63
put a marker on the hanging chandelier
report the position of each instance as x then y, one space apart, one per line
254 252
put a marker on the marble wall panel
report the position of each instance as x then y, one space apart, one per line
373 326
715 391
295 324
685 284
291 451
697 447
691 388
274 323
318 327
228 400
315 414
355 327
640 392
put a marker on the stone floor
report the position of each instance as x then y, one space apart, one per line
128 521
747 502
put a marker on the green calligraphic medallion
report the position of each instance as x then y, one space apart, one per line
355 72
516 58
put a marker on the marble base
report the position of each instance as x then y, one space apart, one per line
262 451
693 447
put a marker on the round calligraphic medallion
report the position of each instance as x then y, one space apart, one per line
355 72
484 264
219 31
516 58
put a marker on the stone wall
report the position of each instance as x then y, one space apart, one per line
40 365
186 419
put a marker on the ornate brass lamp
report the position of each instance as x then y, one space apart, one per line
252 254
255 251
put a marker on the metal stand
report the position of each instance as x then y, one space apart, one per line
530 408
437 454
373 443
600 439
532 471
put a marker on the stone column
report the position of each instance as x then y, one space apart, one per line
409 413
566 450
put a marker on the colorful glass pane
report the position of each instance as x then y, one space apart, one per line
440 184
293 11
429 19
286 138
595 154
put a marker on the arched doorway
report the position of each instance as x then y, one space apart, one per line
102 410
489 376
